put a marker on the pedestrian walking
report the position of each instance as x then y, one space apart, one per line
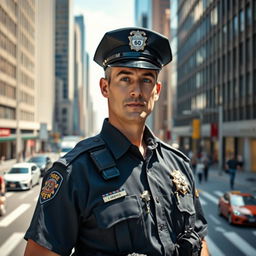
206 162
231 166
200 169
123 191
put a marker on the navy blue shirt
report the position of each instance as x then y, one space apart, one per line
78 208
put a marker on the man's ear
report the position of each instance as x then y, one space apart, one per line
104 87
158 90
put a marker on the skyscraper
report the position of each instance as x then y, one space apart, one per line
216 78
18 129
64 68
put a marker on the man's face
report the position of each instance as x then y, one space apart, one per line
131 93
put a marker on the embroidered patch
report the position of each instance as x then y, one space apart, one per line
51 187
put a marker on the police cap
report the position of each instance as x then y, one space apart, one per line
133 47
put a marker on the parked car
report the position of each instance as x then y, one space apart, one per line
22 176
239 208
42 161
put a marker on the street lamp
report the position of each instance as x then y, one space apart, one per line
201 112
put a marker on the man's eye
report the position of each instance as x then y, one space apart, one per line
125 79
147 81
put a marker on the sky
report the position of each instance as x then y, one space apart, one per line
101 16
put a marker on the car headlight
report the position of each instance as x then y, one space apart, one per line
237 213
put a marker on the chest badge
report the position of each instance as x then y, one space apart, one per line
114 195
137 40
180 182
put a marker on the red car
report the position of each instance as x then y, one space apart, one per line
238 208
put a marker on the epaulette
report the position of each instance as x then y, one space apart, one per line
176 151
81 147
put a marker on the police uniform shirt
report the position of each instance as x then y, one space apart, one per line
78 208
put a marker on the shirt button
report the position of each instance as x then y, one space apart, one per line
157 199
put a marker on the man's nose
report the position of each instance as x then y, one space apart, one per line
136 90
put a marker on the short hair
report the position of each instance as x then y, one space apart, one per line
108 74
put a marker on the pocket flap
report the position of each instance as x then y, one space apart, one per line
186 204
110 214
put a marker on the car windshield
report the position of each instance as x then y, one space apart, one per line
237 200
37 159
17 170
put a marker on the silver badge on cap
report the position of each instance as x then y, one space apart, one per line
137 40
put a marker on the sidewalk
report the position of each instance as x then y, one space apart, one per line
243 178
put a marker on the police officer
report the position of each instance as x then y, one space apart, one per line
124 191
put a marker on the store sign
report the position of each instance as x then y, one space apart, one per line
5 132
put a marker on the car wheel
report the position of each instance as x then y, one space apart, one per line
230 219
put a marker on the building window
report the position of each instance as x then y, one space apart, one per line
248 12
242 25
235 25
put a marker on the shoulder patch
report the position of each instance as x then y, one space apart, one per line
176 151
51 186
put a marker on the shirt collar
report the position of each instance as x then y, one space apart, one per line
115 140
119 144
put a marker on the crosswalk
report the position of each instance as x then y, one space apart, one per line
206 198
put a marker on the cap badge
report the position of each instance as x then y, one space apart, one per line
137 40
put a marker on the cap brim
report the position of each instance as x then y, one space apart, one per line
135 64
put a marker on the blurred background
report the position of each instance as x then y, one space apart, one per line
49 84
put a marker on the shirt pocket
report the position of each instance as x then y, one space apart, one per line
125 218
186 204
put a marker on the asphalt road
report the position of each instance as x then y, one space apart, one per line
20 207
223 239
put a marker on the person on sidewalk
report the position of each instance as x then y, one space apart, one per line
231 166
200 169
206 162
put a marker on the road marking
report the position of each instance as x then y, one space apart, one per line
209 197
6 221
8 194
213 249
25 194
202 201
11 243
214 219
218 193
220 229
240 243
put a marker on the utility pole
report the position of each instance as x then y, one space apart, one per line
220 133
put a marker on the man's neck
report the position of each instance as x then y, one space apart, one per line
134 133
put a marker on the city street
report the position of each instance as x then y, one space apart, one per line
223 239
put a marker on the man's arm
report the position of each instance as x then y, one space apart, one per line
33 249
204 251
2 187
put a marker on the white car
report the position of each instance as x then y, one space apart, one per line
22 176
